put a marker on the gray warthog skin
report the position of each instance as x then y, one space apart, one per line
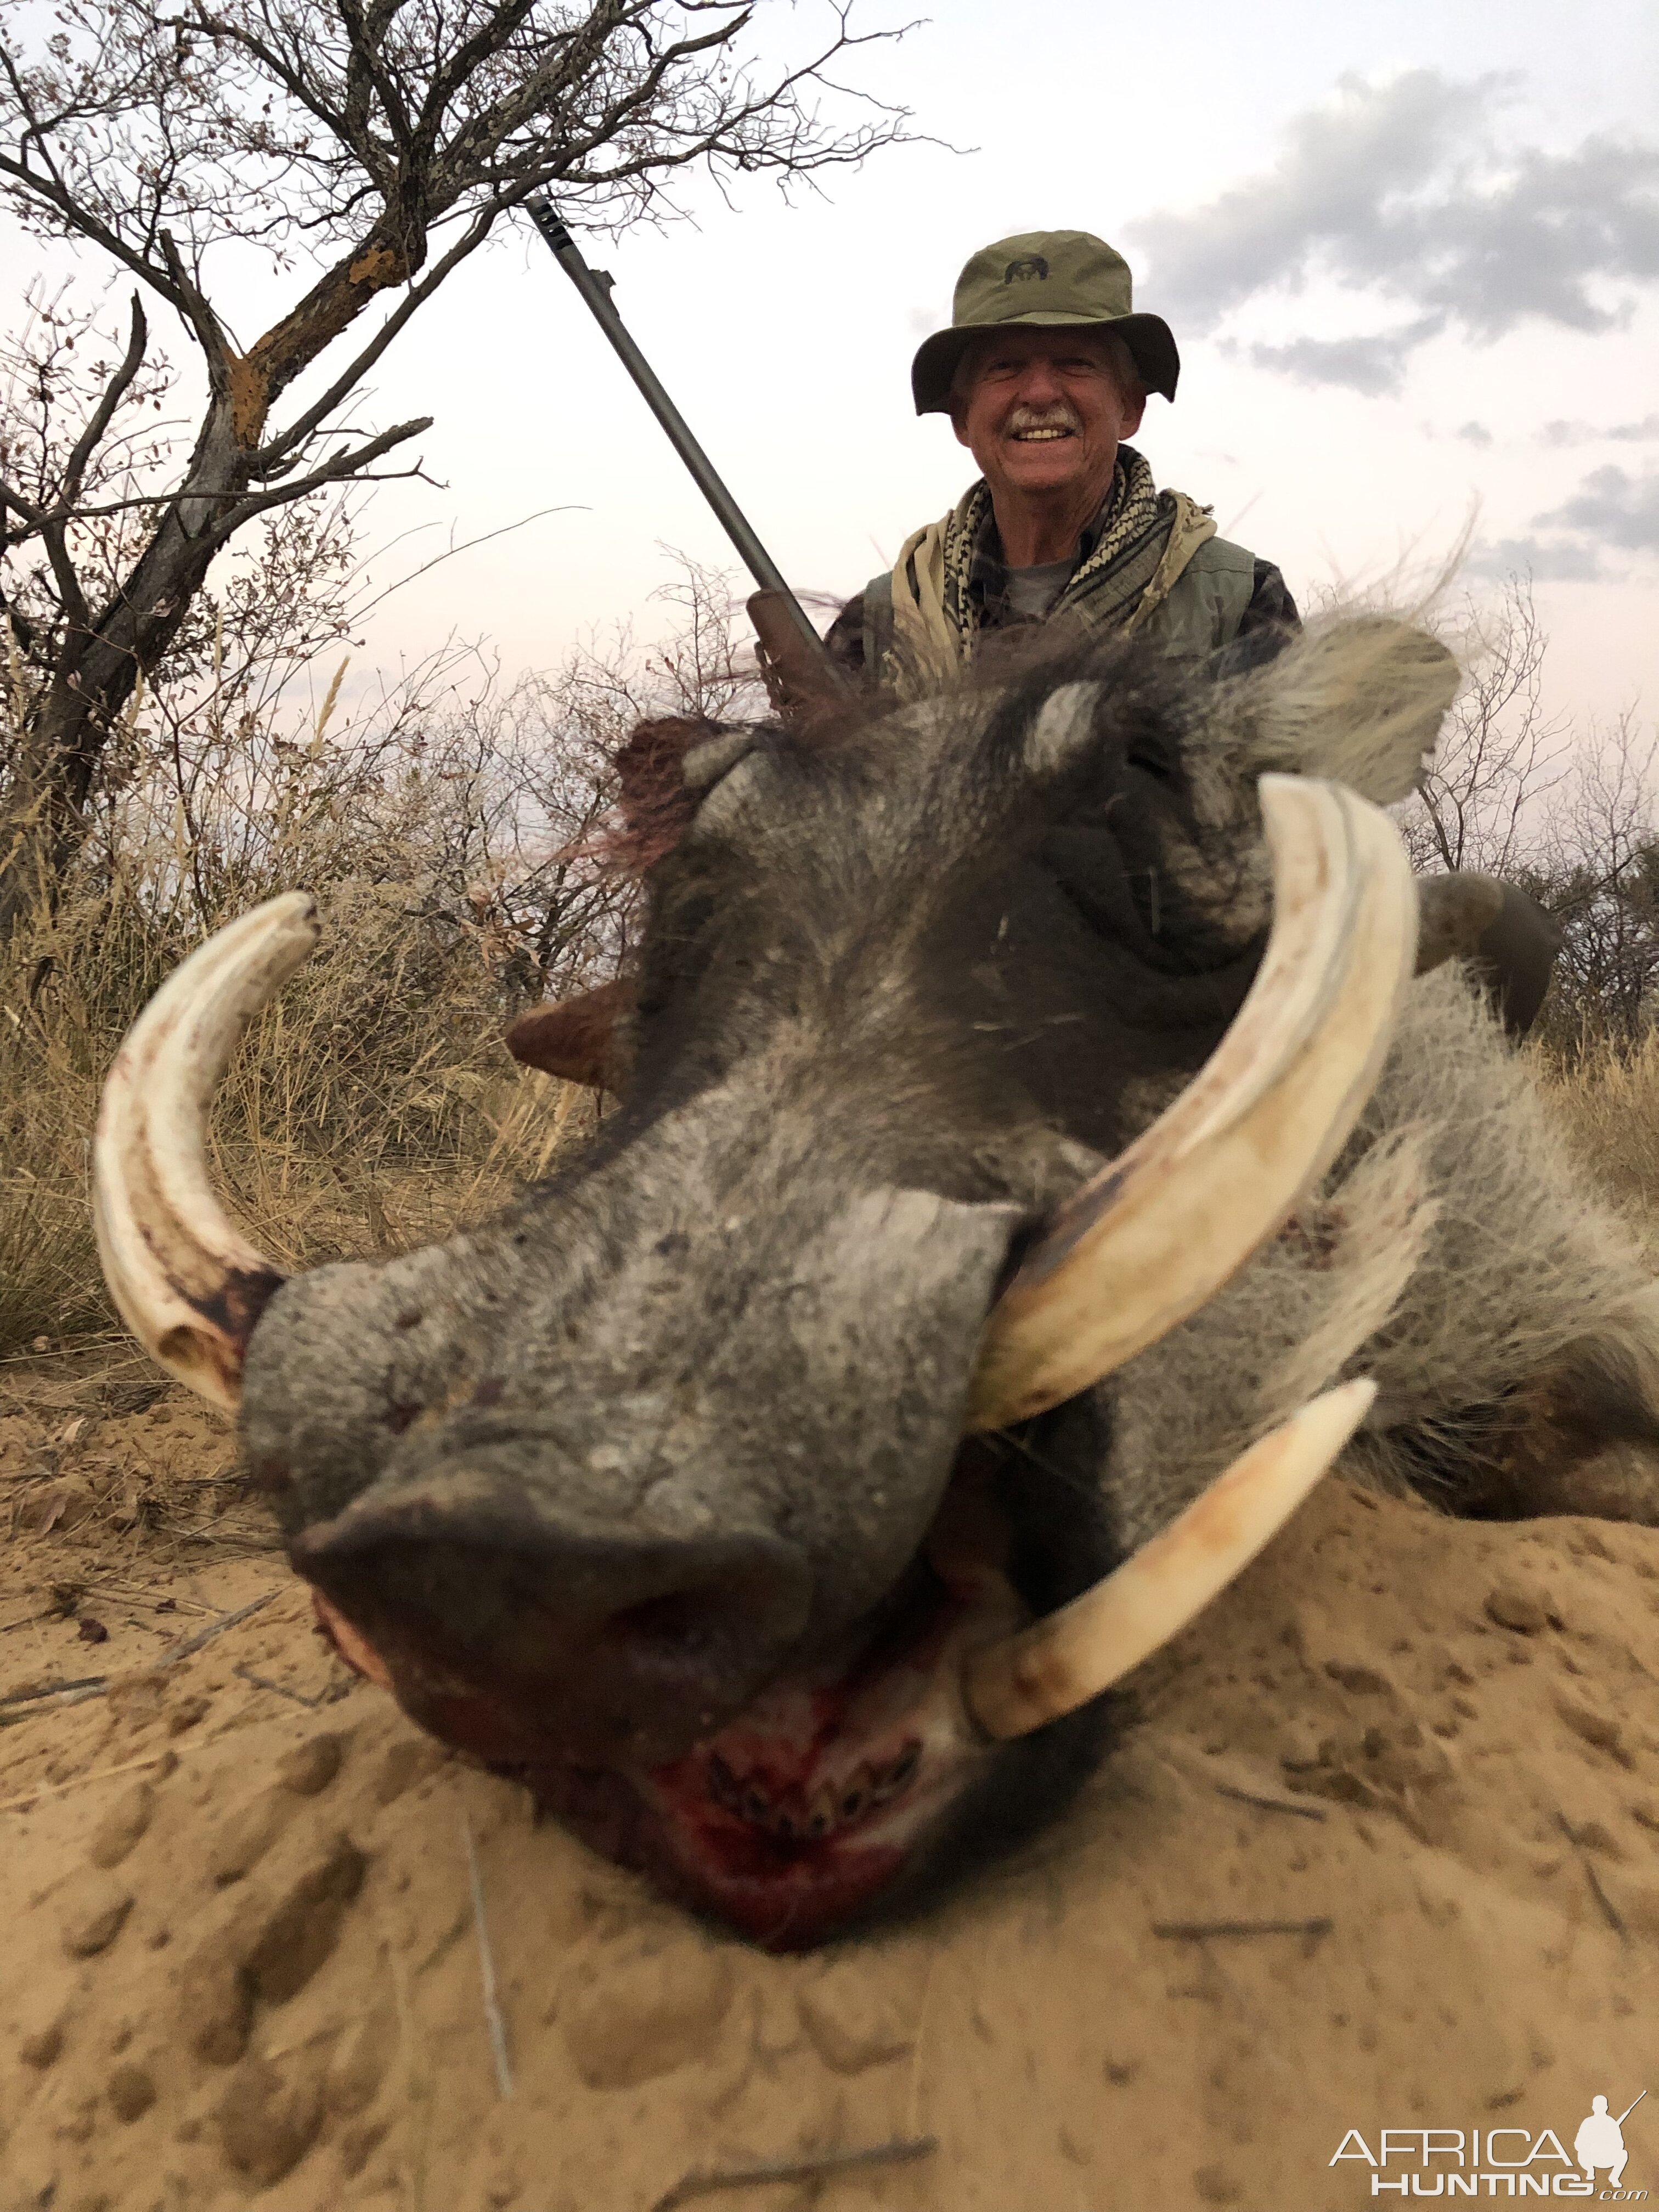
654 1490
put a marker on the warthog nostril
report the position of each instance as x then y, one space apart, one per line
557 1640
676 1624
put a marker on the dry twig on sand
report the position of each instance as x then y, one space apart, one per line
1268 1804
1200 1931
30 1798
816 2166
493 2020
95 1686
1604 1904
192 1644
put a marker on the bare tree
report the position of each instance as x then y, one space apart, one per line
1481 803
371 146
1598 874
1570 816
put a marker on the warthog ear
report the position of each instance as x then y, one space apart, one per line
663 773
588 1039
1357 700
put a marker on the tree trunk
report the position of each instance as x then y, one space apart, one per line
42 819
57 754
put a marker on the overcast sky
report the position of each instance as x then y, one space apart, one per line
1411 253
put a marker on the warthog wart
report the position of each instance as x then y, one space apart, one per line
1014 1203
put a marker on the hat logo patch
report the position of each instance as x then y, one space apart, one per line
1028 269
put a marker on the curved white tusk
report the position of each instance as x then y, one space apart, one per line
1070 1657
1150 1239
189 1285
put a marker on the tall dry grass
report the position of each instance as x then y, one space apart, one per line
446 827
374 1103
1605 1100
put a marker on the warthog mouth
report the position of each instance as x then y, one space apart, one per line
798 1814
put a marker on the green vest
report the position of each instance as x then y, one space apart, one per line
1192 607
1205 603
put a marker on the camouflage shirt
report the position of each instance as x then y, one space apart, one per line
993 596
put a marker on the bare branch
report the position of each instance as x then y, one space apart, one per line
366 147
103 415
344 467
194 308
276 453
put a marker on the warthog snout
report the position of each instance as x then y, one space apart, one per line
534 1633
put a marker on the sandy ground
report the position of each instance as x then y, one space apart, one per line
1383 1853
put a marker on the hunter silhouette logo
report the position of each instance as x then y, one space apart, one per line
1031 268
1600 2140
1507 2161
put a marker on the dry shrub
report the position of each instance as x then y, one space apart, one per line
374 1103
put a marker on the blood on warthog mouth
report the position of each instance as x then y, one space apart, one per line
800 1812
833 1805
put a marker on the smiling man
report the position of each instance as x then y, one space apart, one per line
1045 372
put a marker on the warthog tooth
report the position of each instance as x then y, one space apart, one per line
1068 1657
823 1813
1153 1237
855 1792
187 1282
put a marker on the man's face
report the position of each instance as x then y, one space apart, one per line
1043 411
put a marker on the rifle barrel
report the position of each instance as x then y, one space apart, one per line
594 285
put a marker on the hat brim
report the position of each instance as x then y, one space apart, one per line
1149 338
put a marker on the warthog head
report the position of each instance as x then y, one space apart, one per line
748 1488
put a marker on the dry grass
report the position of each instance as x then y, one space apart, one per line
446 829
1606 1105
373 1106
374 1103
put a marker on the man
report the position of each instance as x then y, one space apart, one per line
1044 372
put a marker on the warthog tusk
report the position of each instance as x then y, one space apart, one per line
1145 1243
1072 1655
189 1285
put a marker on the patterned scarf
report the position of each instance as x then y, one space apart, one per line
1120 552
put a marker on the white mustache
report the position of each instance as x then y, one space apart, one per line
1061 416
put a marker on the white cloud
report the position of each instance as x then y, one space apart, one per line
1611 514
1614 508
1596 434
1563 562
1400 193
1369 364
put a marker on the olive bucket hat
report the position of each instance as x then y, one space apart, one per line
1043 278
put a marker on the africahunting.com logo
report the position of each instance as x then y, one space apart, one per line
1498 2161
